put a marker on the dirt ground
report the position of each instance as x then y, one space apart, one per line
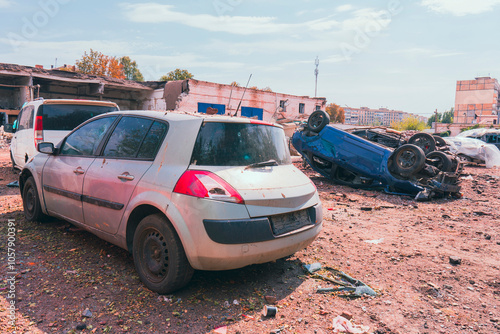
69 281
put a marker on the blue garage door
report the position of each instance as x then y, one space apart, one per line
251 112
202 107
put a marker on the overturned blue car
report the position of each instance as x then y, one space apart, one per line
348 159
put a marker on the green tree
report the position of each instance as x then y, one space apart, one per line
177 74
99 64
432 119
131 69
336 112
448 116
409 123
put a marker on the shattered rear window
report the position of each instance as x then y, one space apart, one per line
239 144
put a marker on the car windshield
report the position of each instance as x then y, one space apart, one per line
239 144
69 116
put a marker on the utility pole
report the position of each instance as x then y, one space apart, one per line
435 120
316 72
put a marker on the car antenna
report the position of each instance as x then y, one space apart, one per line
239 104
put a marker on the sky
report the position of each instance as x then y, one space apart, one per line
397 54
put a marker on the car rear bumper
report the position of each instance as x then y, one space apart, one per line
226 257
239 241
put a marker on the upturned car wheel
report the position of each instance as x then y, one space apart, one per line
441 161
318 120
423 140
440 142
159 257
31 201
408 160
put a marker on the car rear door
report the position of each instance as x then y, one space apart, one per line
23 137
113 176
63 173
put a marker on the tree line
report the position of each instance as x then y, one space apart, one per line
97 63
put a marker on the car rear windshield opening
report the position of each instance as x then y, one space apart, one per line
69 116
239 144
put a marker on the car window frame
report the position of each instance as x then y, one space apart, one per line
97 150
104 142
27 111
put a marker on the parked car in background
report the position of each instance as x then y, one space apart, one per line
179 191
349 159
50 120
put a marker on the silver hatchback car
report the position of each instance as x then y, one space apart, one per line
179 191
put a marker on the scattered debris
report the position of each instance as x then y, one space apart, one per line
220 330
375 242
271 300
455 260
87 313
269 311
14 184
342 325
350 287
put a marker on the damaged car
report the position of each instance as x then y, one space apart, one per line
177 190
348 159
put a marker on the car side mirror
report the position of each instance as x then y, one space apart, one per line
47 148
8 128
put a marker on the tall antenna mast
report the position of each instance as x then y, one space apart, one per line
316 72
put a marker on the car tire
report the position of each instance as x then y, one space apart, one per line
443 163
408 160
31 201
159 257
318 120
423 140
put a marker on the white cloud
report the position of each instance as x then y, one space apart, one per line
460 7
5 3
243 25
345 8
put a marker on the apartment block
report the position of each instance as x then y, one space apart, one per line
376 117
477 101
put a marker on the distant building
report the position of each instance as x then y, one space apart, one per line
381 116
20 84
209 97
477 101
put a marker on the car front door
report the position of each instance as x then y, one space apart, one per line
63 173
113 176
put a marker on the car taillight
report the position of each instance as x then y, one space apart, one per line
38 130
204 184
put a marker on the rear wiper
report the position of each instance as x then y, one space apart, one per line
271 162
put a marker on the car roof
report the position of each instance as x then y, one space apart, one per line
78 102
187 116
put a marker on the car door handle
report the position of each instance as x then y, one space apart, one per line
79 170
126 177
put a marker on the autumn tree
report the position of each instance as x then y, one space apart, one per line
99 64
130 69
336 112
409 123
177 74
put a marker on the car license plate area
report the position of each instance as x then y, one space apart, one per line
288 222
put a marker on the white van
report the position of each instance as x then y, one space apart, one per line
50 120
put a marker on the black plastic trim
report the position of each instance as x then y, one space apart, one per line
242 231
